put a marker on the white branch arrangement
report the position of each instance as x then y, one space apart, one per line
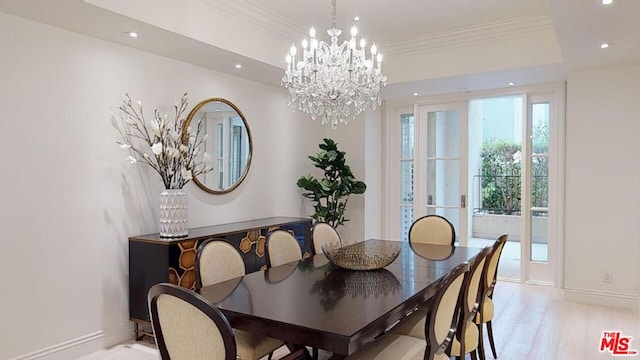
175 159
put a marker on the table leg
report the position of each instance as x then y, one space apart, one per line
297 353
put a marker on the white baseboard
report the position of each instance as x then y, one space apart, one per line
628 301
81 346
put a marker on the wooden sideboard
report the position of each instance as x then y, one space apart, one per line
153 259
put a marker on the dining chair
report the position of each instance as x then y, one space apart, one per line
432 229
187 326
281 248
321 234
438 330
218 261
488 284
466 339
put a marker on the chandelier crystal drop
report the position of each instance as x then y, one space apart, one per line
334 81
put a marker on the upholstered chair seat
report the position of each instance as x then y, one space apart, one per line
252 346
470 339
486 313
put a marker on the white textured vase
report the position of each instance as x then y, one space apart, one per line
174 217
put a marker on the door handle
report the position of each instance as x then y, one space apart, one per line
463 201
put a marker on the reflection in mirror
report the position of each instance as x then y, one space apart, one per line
228 141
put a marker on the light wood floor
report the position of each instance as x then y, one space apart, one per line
531 323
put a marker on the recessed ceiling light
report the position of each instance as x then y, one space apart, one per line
132 34
606 2
604 45
238 66
511 83
415 94
357 18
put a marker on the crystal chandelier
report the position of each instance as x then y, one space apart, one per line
331 81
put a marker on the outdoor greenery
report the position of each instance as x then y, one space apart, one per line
540 166
501 169
500 184
330 193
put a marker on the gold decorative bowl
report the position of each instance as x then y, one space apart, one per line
367 255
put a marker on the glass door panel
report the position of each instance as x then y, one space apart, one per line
539 208
536 195
406 173
539 238
440 185
495 161
539 250
443 134
443 187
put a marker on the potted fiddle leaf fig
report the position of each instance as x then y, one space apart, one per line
330 193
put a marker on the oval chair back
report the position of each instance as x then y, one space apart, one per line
489 277
432 229
187 326
281 248
442 315
466 340
321 234
491 271
217 261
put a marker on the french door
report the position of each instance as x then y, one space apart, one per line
434 161
541 174
440 183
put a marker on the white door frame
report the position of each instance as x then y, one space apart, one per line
391 167
421 178
534 271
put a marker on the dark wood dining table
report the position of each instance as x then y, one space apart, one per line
314 303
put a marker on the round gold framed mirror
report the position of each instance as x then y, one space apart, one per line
228 142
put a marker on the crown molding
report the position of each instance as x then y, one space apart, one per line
469 35
253 12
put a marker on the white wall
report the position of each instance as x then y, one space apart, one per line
373 158
69 201
350 139
603 182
